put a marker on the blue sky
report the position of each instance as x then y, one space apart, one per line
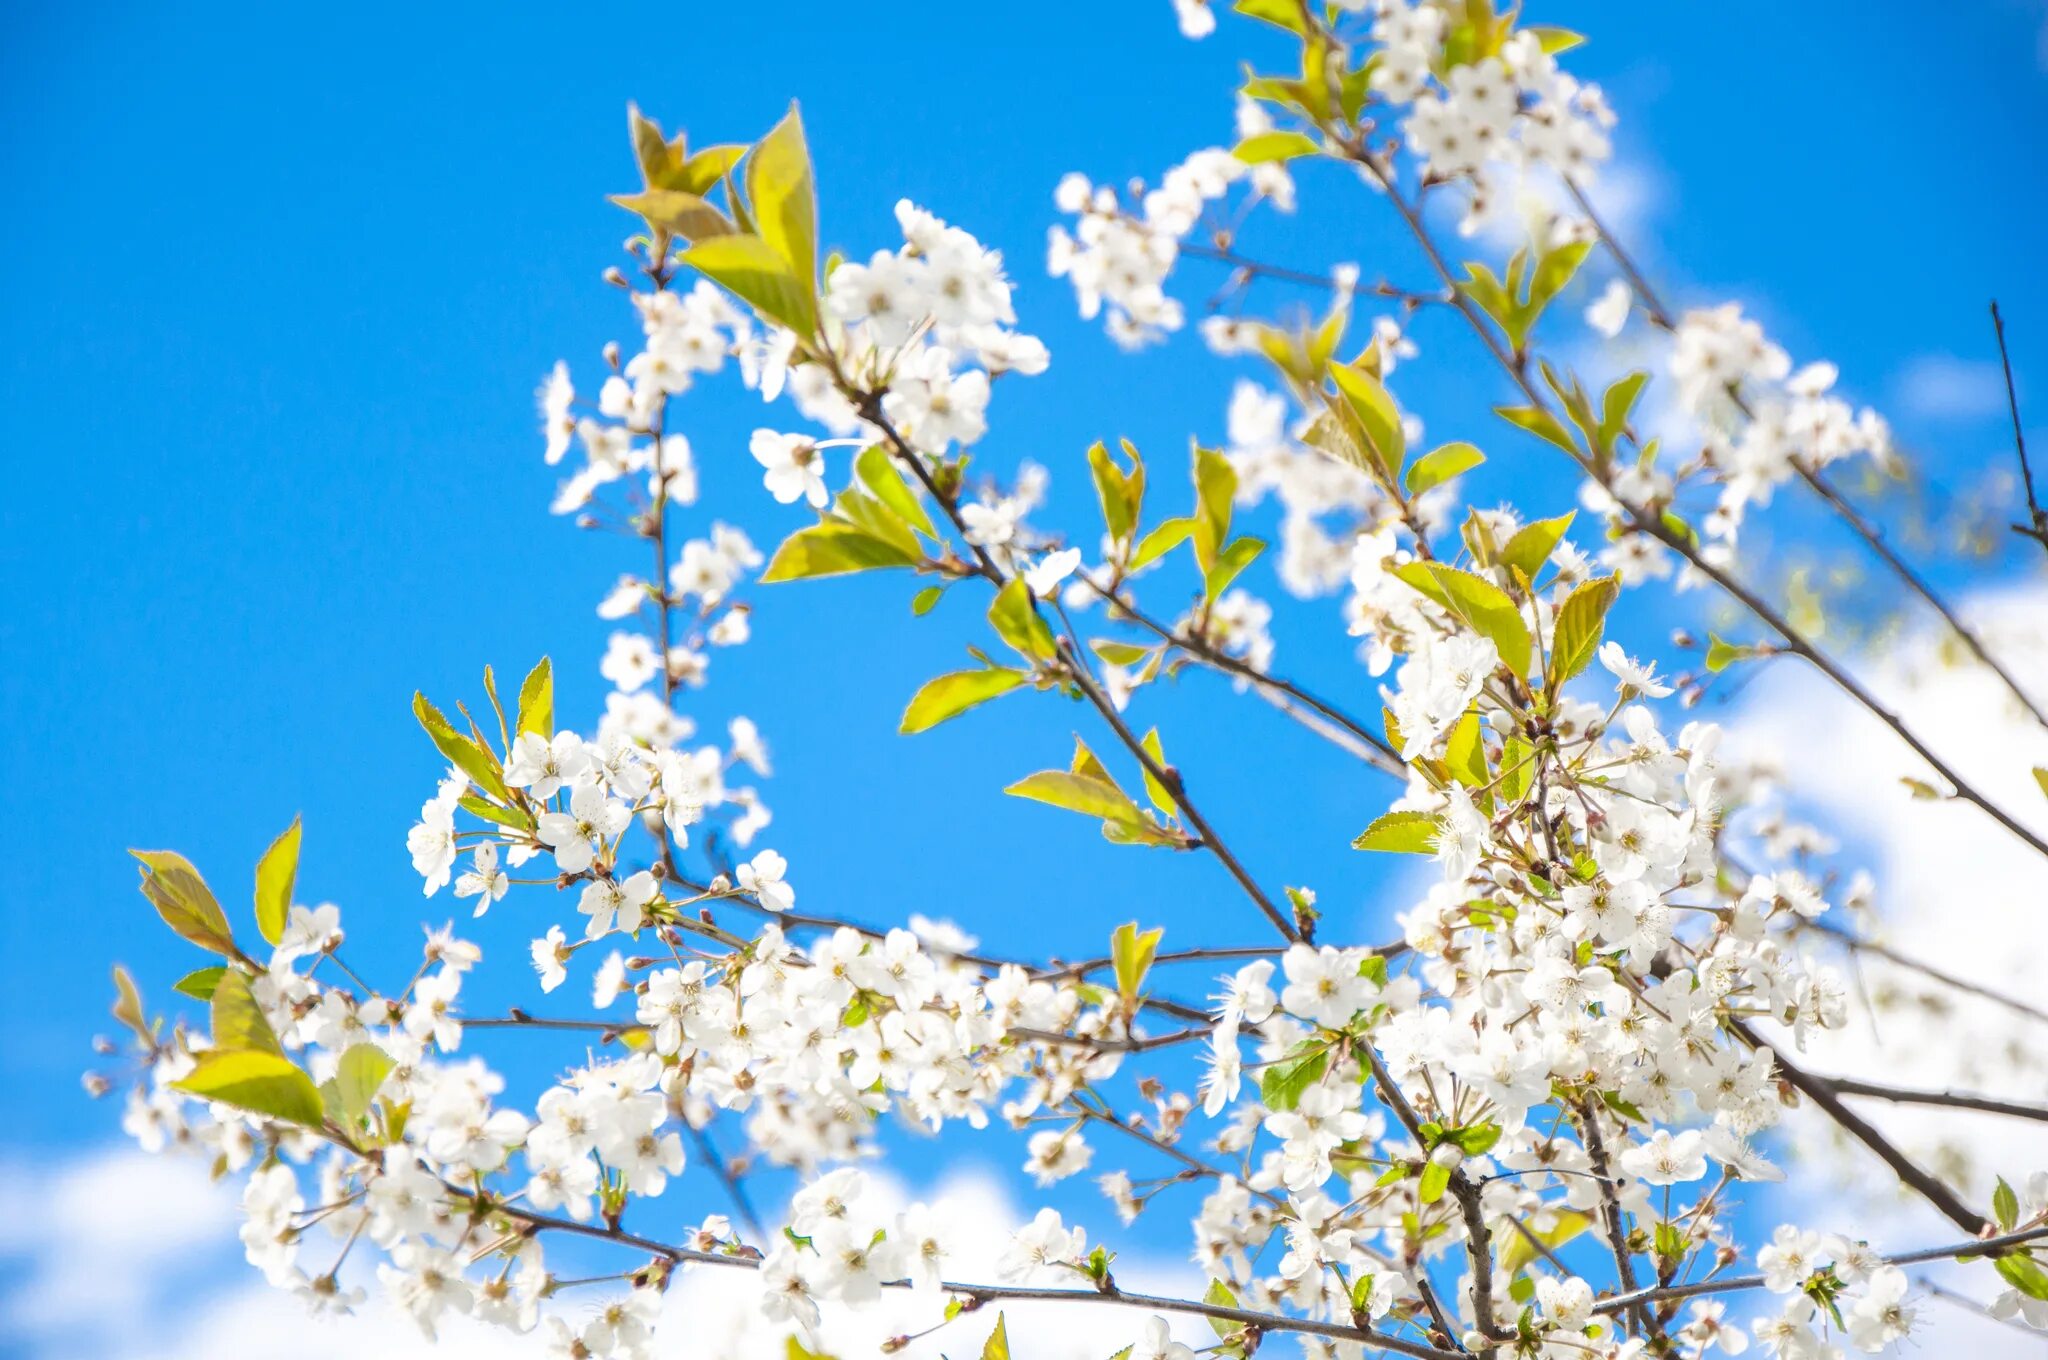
278 284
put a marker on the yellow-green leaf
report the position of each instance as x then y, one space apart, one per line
833 548
754 271
1580 621
1480 603
537 702
1439 465
997 1347
1274 146
238 1019
1017 622
1378 417
878 473
262 1083
949 696
463 751
1407 833
276 873
128 1005
784 203
1131 952
677 212
357 1077
1532 544
182 898
1077 793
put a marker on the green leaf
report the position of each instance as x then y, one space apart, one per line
1618 405
1017 623
238 1019
1118 653
1465 752
1408 833
1436 1178
491 812
276 872
262 1083
1539 422
462 750
1480 603
948 696
1160 796
997 1347
756 272
2025 1274
1118 491
537 702
783 200
1439 465
1218 1294
676 211
1378 418
1516 1251
128 1005
1164 538
1131 951
1580 621
2041 778
1553 272
833 548
878 472
1274 146
182 898
1474 1140
1215 490
1230 563
1281 1087
200 983
1077 793
926 600
1721 654
2005 1206
1553 39
1533 543
357 1077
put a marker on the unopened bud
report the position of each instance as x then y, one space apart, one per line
894 1344
615 277
1448 1155
611 353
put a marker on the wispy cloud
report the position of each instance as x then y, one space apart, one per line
1944 387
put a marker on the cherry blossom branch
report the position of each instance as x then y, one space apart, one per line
981 1294
1083 676
1646 522
1986 1246
1610 1204
1822 1093
1872 535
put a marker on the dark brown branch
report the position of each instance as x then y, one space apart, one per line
2037 517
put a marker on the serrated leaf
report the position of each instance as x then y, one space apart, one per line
1077 793
833 548
462 750
2025 1274
357 1077
1131 952
1219 1294
1439 465
262 1083
200 983
1407 833
756 272
184 901
1017 622
783 200
1378 418
276 873
878 473
1580 622
678 212
1532 544
537 702
1283 1083
997 1347
1480 603
1465 752
948 696
238 1019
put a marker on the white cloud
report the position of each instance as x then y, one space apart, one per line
1944 387
135 1255
1954 890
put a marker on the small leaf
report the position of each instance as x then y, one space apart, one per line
357 1077
262 1083
1580 622
1230 563
878 473
1017 622
1436 1178
1116 490
1219 1295
1274 146
783 200
1282 1085
1408 833
537 702
1540 423
1077 793
238 1019
1164 538
2025 1274
1215 490
182 898
1533 543
1439 465
128 1005
949 696
997 1347
1378 417
1722 654
676 211
462 750
200 983
2041 777
276 873
1131 951
1480 603
925 600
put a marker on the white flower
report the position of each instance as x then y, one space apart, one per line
794 469
1610 313
1636 677
762 876
485 880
